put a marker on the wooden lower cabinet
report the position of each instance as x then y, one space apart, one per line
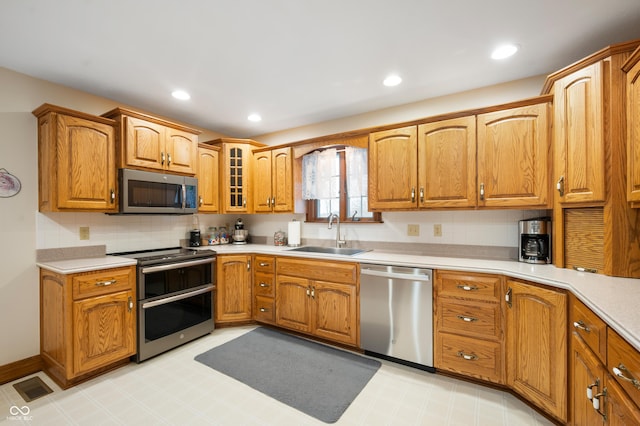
536 345
469 324
319 298
233 288
264 289
87 322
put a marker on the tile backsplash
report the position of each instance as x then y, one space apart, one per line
139 232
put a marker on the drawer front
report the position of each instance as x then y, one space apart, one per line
589 327
266 264
265 309
476 320
335 272
470 357
264 285
623 357
103 282
469 286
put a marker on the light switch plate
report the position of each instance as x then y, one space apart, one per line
84 232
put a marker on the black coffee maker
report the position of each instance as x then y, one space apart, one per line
534 243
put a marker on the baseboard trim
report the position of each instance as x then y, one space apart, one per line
19 369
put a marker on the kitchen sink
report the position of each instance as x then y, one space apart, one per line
329 250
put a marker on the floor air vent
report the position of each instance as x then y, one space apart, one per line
32 388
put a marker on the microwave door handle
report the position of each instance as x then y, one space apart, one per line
184 196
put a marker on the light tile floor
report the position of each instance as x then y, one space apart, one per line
174 389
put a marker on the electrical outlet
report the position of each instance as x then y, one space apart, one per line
84 232
437 230
413 230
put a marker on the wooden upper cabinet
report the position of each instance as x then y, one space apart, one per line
147 142
579 135
513 156
447 163
632 69
393 163
208 179
76 161
272 173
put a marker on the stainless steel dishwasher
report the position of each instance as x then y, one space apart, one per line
396 314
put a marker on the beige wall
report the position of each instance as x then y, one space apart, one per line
24 230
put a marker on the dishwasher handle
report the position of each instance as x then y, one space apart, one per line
401 276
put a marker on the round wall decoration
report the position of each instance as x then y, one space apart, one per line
9 184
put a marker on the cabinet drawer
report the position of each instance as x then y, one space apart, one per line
265 309
622 356
469 286
266 264
264 285
335 272
470 357
102 282
460 317
589 327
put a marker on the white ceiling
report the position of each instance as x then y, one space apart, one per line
296 62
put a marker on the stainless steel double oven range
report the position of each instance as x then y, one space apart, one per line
175 298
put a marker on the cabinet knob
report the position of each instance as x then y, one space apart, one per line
113 196
507 297
200 200
422 195
162 158
168 159
130 304
482 192
413 194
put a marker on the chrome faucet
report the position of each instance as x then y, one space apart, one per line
339 242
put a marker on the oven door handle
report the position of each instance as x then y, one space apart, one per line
177 297
179 265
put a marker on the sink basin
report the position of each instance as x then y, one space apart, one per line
329 250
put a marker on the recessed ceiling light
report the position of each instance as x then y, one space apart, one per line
392 80
254 117
504 51
181 94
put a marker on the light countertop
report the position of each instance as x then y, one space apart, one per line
615 300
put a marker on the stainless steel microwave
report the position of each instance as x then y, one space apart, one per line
145 192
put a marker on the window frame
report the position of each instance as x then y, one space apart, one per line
312 205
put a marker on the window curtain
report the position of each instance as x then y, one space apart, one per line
317 170
357 176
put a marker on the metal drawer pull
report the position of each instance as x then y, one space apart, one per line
468 357
106 283
262 284
264 264
618 371
580 325
582 269
467 319
264 310
467 287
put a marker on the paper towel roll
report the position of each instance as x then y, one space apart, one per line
294 233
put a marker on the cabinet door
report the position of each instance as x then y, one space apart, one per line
233 288
393 169
208 180
620 409
181 149
447 163
144 144
236 178
282 180
86 168
513 156
262 193
537 346
103 331
579 138
586 373
633 133
335 311
293 303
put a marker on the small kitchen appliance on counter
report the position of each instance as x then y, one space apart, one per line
534 242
